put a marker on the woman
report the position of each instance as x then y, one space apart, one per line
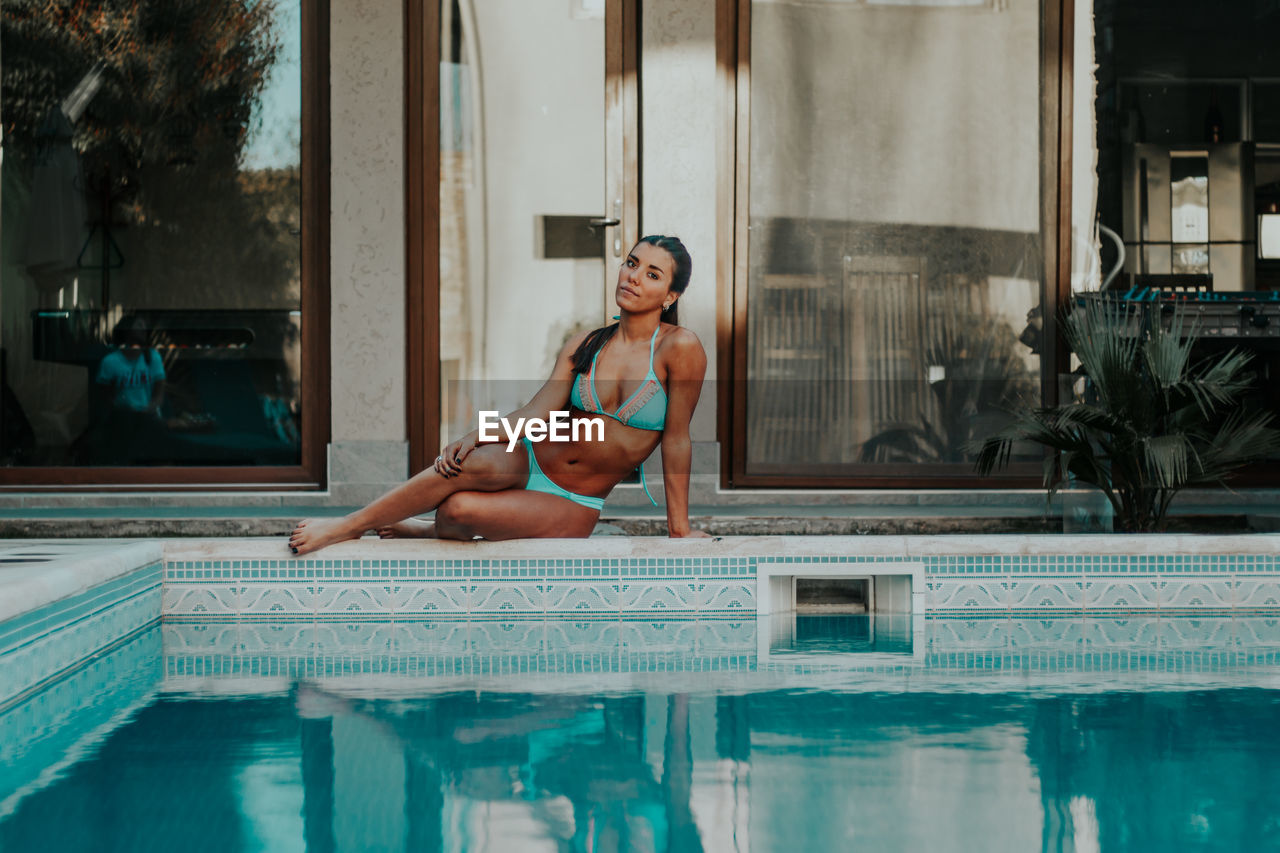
640 376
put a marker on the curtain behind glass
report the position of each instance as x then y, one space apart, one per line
895 264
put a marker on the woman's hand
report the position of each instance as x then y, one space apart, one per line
449 462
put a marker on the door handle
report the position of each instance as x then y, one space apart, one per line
604 221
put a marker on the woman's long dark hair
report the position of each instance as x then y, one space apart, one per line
592 343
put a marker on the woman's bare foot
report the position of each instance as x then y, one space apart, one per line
410 528
312 534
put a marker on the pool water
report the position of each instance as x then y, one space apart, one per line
730 760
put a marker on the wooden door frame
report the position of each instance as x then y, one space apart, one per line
733 82
422 229
422 192
312 472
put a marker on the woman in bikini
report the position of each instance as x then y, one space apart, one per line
641 376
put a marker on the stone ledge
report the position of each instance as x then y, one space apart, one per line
614 547
68 570
174 525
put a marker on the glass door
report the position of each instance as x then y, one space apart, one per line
534 210
893 195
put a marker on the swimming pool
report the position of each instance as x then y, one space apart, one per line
798 733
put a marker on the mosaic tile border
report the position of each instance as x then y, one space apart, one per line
305 568
319 569
370 588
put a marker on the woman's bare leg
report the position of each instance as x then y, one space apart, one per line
488 468
513 514
410 528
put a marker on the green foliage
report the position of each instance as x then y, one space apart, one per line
1152 421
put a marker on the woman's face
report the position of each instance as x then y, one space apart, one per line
644 279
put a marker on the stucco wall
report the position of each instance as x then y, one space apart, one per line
367 221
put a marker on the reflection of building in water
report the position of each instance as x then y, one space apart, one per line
1148 800
813 762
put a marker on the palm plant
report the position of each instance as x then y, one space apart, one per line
1151 422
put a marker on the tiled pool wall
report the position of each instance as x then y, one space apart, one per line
450 580
42 644
1065 653
42 734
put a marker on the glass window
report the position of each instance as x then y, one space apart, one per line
895 261
517 247
150 270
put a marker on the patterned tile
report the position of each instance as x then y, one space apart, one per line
272 600
949 594
1256 592
646 596
1030 593
727 596
721 585
1133 593
434 598
202 600
46 655
1189 593
581 597
351 599
498 598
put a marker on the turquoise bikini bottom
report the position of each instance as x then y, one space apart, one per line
540 482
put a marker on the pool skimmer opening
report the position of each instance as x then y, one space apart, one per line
839 586
832 595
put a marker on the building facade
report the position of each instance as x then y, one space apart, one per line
295 246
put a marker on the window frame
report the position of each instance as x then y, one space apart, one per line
733 61
311 472
422 192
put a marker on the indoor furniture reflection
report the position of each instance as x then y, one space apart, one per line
230 383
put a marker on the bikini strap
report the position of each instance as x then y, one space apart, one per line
645 485
652 341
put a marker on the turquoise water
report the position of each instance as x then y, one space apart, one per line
327 738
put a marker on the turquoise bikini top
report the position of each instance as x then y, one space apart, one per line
645 409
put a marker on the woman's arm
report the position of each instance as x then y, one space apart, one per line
686 368
552 396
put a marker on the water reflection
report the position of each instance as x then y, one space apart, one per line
835 634
801 770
